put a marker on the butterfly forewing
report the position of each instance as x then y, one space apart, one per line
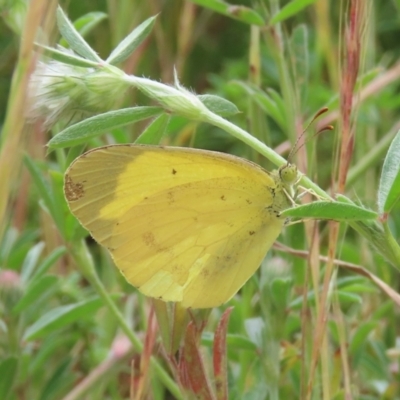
181 224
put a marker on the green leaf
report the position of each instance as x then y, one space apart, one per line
62 316
95 126
361 336
8 373
66 58
31 261
301 60
343 297
74 39
235 341
265 101
385 244
38 289
219 105
241 13
389 185
155 131
131 42
49 261
45 191
269 105
349 298
48 348
279 101
330 210
289 10
360 288
60 379
280 289
61 207
373 232
86 23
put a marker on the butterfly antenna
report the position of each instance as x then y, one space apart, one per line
295 147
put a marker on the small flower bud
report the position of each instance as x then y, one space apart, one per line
176 99
10 290
60 90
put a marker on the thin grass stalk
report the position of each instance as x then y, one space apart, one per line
85 262
344 356
350 70
325 44
163 45
284 76
256 117
312 273
13 133
185 33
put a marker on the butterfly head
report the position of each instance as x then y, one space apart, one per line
289 176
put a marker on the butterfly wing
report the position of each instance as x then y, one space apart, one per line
181 224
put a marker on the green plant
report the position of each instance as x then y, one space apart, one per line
288 332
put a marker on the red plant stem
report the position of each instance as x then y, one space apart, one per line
349 77
350 70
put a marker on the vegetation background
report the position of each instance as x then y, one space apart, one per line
301 327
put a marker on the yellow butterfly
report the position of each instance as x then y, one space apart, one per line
182 225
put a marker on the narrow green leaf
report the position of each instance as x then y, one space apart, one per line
376 236
394 296
343 297
60 379
86 23
241 13
235 341
155 131
95 126
289 10
62 316
301 60
49 261
343 199
31 261
8 373
280 289
61 209
330 210
66 58
361 335
385 245
35 291
360 288
45 190
278 99
74 152
131 42
48 348
219 105
270 107
8 242
264 100
389 185
349 298
74 39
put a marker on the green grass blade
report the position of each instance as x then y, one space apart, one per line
389 185
95 126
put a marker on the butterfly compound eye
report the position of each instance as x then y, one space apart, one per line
288 174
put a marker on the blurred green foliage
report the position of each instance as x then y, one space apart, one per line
54 330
